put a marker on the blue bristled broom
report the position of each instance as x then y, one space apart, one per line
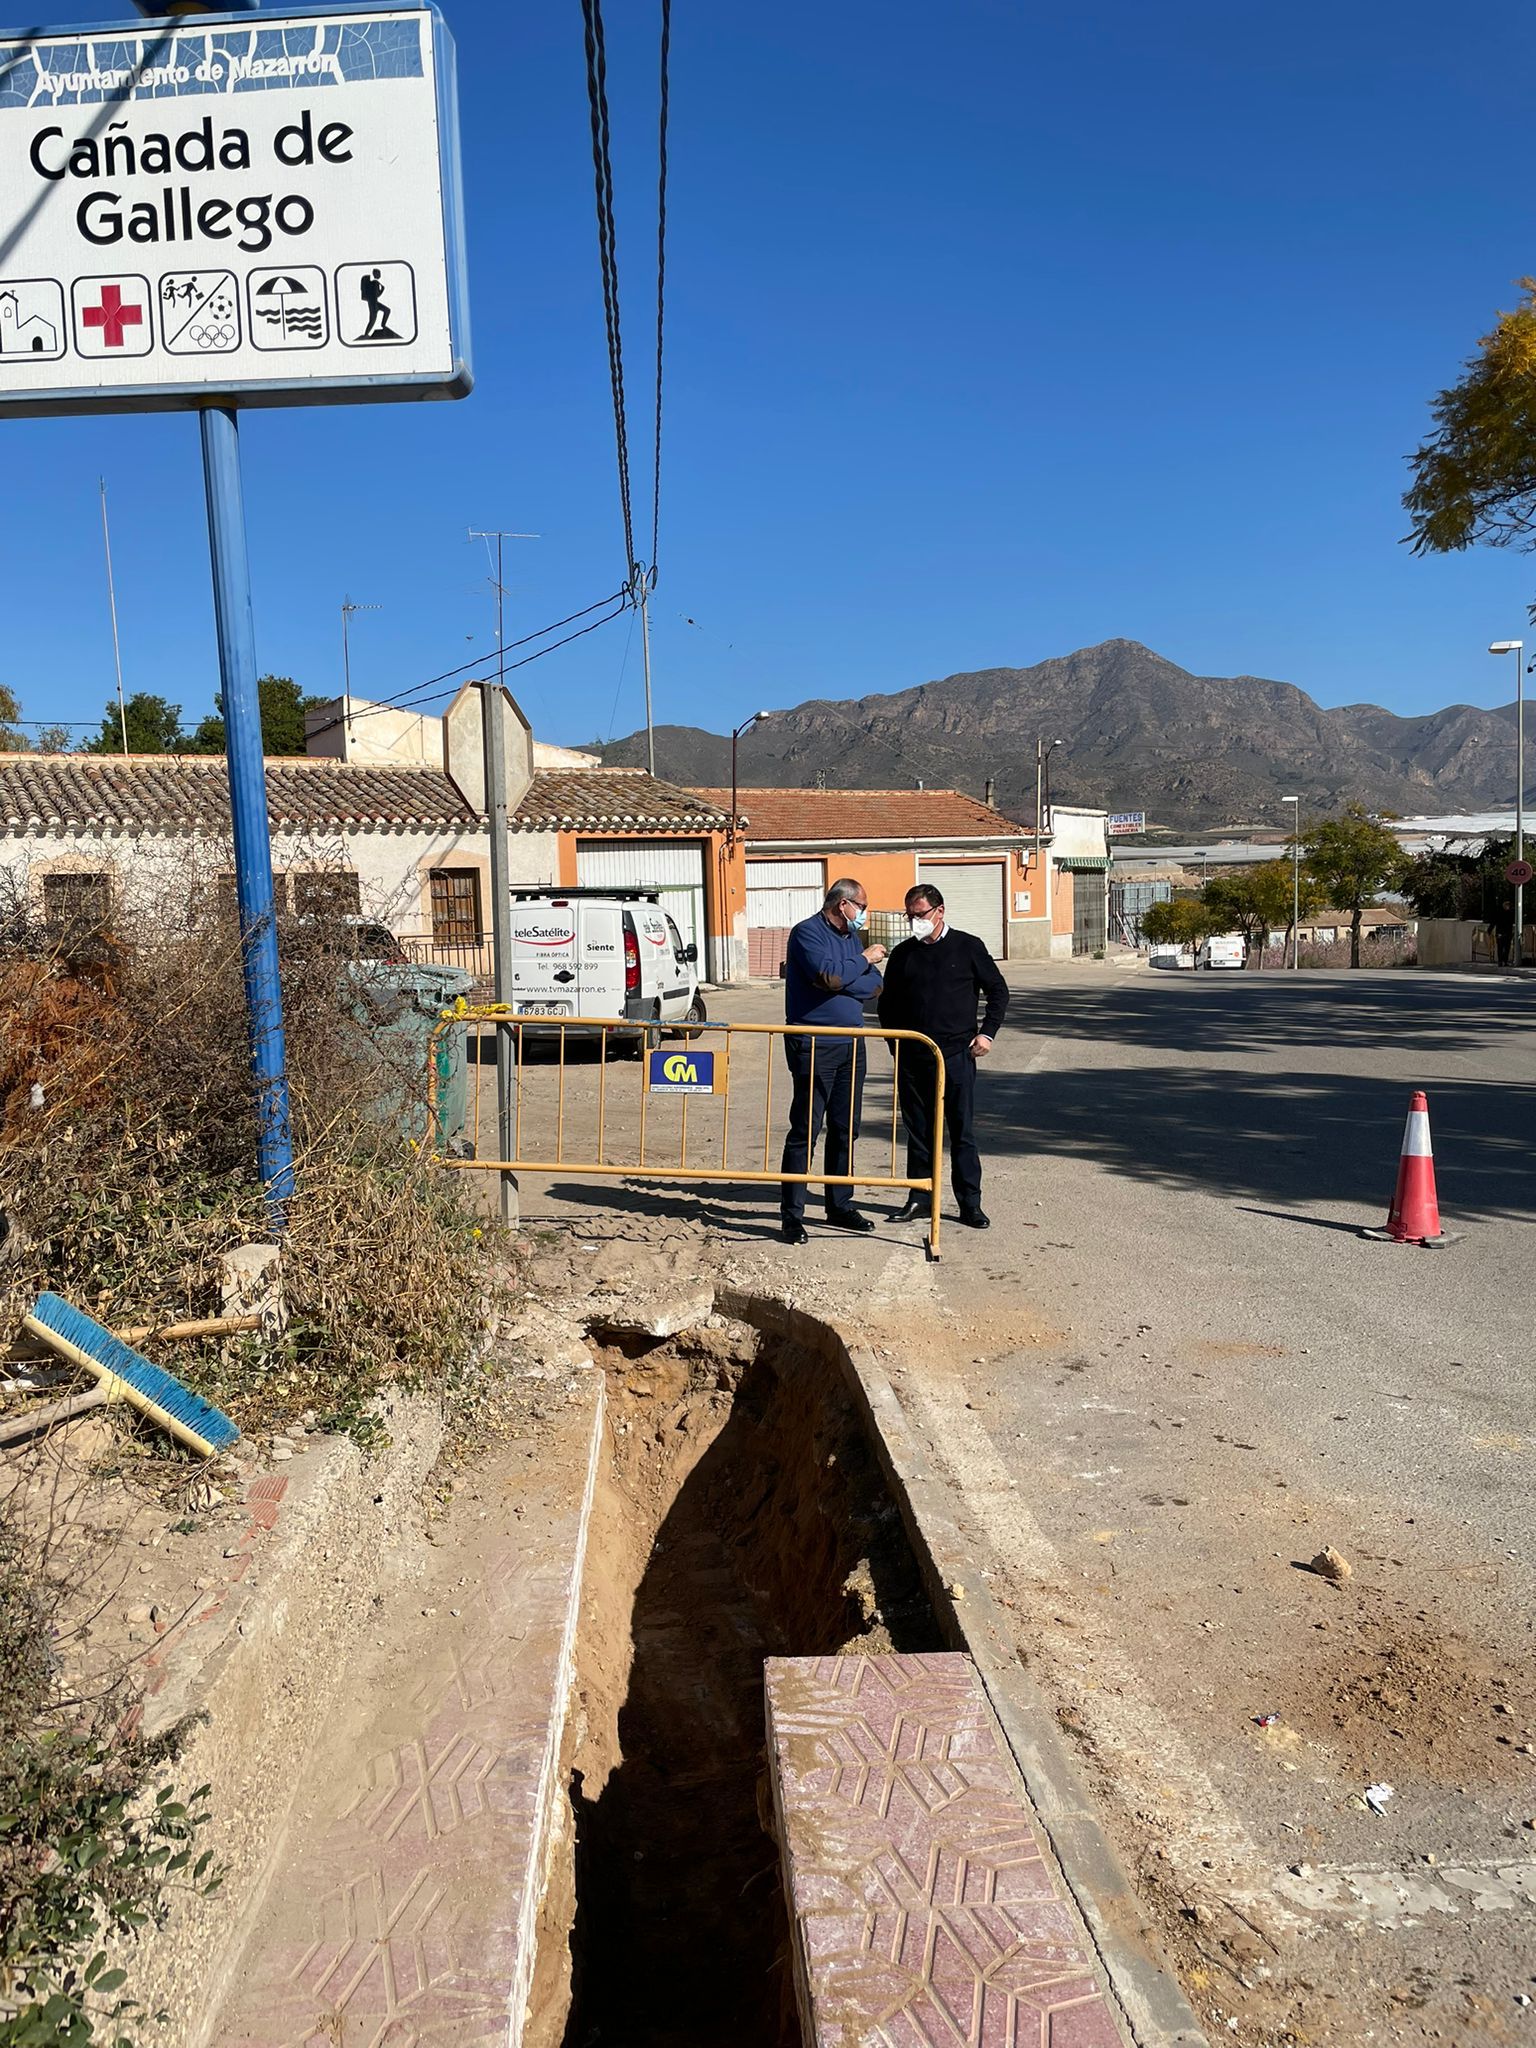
127 1376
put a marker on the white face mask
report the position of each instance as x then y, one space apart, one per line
922 927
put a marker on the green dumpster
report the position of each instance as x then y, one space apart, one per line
401 1004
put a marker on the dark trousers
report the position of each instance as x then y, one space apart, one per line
914 1087
832 1094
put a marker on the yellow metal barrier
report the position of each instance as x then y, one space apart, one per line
563 1068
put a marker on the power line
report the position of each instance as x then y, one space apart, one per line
413 690
607 251
661 262
426 691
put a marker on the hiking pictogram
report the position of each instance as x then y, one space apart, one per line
375 304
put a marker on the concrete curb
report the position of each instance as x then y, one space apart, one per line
261 1660
1152 2007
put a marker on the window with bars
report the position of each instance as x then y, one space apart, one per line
77 903
455 906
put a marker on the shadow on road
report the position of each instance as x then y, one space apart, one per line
1257 1012
1278 1137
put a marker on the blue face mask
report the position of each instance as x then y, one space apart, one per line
857 919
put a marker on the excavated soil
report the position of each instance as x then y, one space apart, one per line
741 1516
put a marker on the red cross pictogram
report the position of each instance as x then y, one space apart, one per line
112 316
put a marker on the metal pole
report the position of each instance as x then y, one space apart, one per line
117 653
645 649
248 805
492 723
346 680
1296 895
1519 949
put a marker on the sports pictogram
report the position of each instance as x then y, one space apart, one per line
112 316
199 312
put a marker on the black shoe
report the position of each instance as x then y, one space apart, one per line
849 1219
975 1219
911 1209
793 1231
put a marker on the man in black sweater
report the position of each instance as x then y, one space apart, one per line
935 983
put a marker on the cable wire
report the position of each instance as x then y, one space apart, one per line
608 256
416 690
661 264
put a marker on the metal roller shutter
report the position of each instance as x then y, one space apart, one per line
973 897
675 867
779 894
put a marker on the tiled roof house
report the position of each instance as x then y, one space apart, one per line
403 840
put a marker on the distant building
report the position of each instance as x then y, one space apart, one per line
396 831
1026 901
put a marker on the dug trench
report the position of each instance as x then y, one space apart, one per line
740 1515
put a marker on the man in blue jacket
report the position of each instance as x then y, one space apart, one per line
829 975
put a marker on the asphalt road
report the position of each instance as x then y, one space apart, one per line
1196 1373
1170 1374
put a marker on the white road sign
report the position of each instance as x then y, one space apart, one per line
264 212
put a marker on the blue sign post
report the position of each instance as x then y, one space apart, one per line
222 208
248 804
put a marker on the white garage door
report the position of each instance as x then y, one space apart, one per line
781 892
973 897
675 867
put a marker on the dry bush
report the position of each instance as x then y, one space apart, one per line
122 1191
120 1188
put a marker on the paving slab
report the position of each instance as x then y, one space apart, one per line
925 1907
403 1909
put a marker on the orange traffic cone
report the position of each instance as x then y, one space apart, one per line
1414 1217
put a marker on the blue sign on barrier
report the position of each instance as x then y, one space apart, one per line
682 1073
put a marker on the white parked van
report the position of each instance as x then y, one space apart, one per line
1227 951
602 953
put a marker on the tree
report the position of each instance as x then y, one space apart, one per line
53 739
154 727
1252 900
1465 885
283 706
11 741
1352 859
1474 479
1186 921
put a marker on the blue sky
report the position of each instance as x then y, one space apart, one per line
994 331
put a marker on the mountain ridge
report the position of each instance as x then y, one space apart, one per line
1141 733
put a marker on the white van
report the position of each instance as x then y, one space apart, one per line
602 953
1227 951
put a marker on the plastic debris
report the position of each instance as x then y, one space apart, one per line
1332 1565
1266 1720
1376 1797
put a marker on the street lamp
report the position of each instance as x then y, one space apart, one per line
745 726
1295 881
1517 649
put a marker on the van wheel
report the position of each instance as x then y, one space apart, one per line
694 1014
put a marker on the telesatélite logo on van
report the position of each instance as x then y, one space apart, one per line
681 1073
544 935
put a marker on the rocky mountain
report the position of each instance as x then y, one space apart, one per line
1140 733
